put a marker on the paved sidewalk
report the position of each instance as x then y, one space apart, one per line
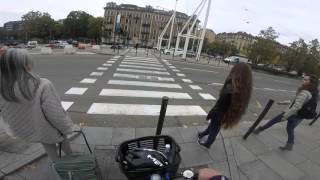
257 158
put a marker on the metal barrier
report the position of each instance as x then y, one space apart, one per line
163 111
259 119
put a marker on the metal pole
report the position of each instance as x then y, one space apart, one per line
314 120
204 30
261 116
163 110
171 31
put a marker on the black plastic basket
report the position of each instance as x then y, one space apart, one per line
150 142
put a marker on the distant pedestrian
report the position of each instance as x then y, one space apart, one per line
231 105
31 107
302 106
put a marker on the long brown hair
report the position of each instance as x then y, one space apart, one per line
312 87
240 79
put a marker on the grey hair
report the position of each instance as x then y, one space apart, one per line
14 64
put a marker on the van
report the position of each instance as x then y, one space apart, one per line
32 44
236 59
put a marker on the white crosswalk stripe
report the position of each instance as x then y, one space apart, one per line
96 74
140 61
76 91
142 93
88 80
195 87
102 68
187 80
207 96
142 71
143 67
143 83
146 110
143 77
141 64
66 105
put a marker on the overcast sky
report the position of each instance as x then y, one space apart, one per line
291 18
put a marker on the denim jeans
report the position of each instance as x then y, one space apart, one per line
212 130
293 122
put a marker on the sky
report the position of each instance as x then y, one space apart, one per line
292 19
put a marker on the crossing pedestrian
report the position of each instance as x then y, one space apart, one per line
303 106
231 105
31 107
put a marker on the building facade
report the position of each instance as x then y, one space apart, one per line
210 35
13 26
138 25
241 40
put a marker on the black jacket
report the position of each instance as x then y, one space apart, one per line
223 102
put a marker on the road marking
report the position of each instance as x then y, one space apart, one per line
181 75
110 61
85 53
143 64
88 80
106 64
141 93
96 74
201 70
116 57
142 77
187 80
143 83
216 84
269 89
175 70
142 71
145 110
139 61
102 68
195 87
76 91
143 67
207 96
66 105
172 67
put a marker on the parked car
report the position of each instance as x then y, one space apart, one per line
178 52
235 59
191 54
32 44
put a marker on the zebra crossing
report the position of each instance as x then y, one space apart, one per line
138 79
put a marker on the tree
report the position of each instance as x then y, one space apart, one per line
269 33
95 28
222 48
263 51
76 24
38 24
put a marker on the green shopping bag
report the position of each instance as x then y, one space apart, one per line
77 166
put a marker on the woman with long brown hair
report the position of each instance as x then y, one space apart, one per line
231 105
307 93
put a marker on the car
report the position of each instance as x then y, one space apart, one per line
116 47
236 59
178 52
32 44
191 54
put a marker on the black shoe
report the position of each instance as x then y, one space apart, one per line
203 144
287 147
199 136
258 130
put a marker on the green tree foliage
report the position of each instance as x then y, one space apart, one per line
263 51
76 24
95 28
222 48
269 33
38 24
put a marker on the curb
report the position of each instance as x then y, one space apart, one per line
28 159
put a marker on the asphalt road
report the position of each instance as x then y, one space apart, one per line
66 71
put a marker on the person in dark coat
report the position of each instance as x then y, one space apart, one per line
231 105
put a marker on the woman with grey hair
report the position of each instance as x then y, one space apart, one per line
31 107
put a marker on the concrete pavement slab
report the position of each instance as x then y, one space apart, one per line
122 134
222 167
259 170
194 155
173 132
95 135
282 167
254 145
189 134
311 169
141 132
241 153
217 151
314 156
